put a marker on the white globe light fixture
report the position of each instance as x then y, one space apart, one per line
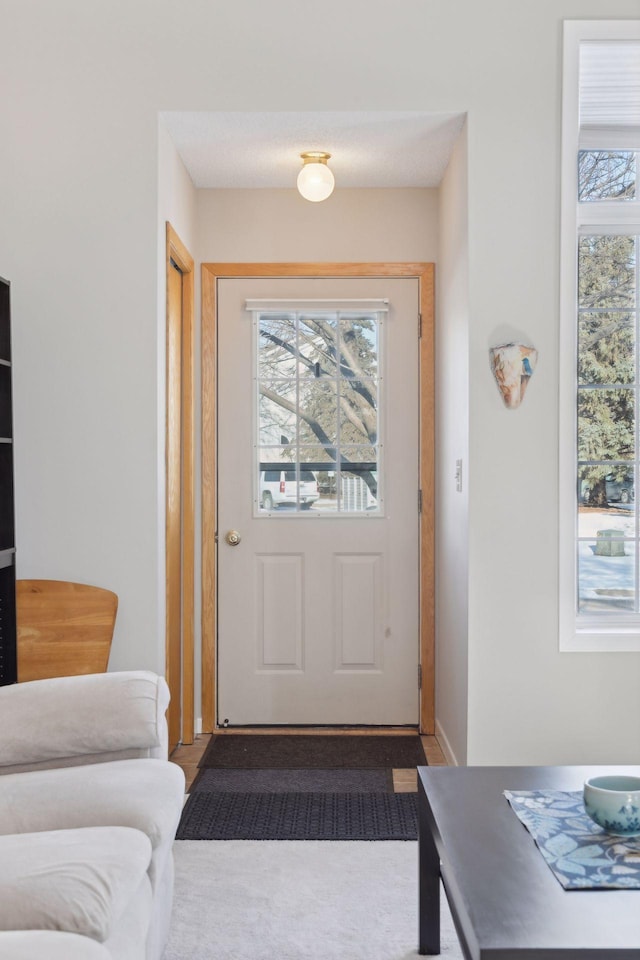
315 180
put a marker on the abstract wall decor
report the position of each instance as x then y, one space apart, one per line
513 365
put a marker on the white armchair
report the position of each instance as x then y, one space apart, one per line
89 805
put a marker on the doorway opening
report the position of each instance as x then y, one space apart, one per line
279 572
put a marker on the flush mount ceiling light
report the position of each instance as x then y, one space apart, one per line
315 180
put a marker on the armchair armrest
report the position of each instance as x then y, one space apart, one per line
93 718
52 944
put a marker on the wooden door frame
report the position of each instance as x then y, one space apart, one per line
425 274
182 499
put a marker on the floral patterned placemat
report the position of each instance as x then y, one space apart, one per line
581 854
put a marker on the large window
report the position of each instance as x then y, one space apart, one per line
600 344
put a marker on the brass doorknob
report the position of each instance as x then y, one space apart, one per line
233 538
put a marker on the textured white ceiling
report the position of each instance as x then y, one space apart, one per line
369 149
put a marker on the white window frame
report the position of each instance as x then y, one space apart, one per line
615 633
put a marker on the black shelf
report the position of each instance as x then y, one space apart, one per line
6 419
5 321
8 653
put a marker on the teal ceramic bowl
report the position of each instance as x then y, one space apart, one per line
614 804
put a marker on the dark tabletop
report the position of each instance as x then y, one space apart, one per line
504 894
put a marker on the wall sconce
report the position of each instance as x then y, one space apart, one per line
315 180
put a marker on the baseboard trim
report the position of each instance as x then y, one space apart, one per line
445 746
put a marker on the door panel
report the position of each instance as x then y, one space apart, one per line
318 610
358 626
279 607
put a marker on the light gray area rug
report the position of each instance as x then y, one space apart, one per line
298 900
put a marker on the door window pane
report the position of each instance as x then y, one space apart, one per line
277 420
276 346
359 346
318 411
317 335
287 488
318 417
359 488
359 411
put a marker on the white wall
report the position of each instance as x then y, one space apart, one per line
78 238
527 702
278 225
78 209
452 444
177 197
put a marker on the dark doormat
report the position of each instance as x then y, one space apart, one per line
216 780
299 816
303 752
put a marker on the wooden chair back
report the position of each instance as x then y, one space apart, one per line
63 628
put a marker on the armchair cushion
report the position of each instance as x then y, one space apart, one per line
80 881
143 794
92 718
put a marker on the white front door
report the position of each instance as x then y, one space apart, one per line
318 459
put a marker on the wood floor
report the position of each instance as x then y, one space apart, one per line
404 781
